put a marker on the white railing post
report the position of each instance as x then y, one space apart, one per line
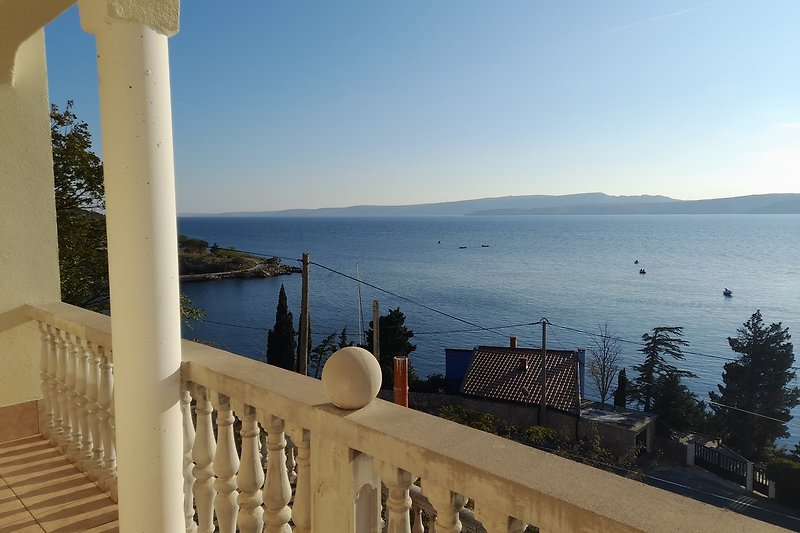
73 447
749 482
690 453
64 433
52 386
417 526
251 476
447 504
188 464
84 449
95 468
105 414
226 465
398 503
203 456
301 509
46 424
278 491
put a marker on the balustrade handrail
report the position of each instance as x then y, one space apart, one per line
539 488
94 327
506 477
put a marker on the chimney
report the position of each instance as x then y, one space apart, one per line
401 381
512 342
523 362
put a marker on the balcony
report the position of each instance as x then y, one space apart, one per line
264 449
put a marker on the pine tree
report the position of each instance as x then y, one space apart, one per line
281 339
758 382
344 342
394 341
621 394
664 341
676 406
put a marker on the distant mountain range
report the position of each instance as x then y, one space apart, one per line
570 204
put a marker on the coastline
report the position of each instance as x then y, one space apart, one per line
260 270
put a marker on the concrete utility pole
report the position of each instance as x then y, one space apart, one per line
376 329
543 405
302 361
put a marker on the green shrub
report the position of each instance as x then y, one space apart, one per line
786 475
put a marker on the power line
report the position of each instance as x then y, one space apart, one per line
507 326
409 300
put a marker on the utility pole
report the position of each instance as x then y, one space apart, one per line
302 360
543 405
376 330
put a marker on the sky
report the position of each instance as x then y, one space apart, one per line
300 104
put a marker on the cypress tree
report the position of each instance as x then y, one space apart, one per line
621 394
282 338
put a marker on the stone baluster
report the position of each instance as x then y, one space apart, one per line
45 425
262 439
84 449
418 526
95 467
52 385
74 442
398 503
494 521
301 509
188 443
226 464
105 396
278 490
251 476
447 504
203 456
291 463
64 433
112 450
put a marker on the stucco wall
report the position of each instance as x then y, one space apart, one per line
28 243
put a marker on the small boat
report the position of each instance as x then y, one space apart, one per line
484 245
636 262
642 271
462 247
727 293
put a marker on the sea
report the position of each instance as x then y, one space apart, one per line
464 281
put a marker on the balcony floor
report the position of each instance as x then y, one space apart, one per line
40 491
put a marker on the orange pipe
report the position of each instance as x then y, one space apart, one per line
401 381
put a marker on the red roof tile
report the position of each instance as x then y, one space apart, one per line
497 373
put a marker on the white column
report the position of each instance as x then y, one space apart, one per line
690 453
133 72
749 477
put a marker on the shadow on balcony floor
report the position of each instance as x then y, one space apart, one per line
41 491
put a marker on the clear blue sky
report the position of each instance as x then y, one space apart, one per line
284 104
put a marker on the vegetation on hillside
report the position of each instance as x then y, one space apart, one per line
81 223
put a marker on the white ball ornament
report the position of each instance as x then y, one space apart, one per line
351 378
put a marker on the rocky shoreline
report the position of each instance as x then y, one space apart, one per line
261 270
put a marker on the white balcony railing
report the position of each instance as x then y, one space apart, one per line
283 458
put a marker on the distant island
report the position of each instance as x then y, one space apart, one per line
570 204
197 261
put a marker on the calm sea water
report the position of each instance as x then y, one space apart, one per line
577 271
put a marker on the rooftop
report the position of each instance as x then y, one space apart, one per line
514 375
